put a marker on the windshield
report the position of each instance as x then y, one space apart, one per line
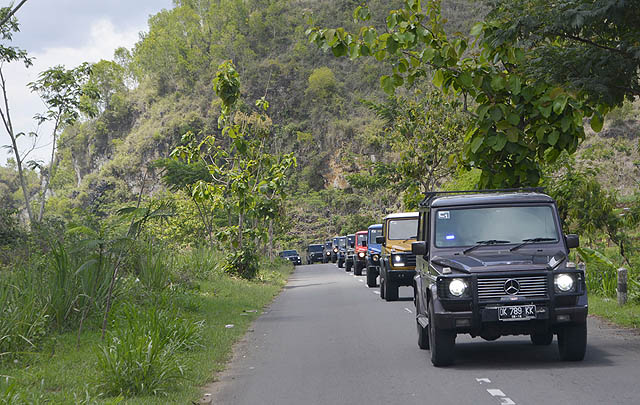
467 227
352 240
327 244
362 239
402 229
289 253
315 248
342 242
373 233
335 241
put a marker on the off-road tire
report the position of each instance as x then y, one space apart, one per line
357 268
340 264
347 267
382 288
391 291
423 336
572 342
441 343
542 339
371 277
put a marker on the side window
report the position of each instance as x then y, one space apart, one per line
420 227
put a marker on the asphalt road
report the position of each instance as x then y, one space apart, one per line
328 339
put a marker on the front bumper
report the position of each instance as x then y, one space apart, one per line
296 260
401 277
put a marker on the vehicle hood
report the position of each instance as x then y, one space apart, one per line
400 246
499 261
374 249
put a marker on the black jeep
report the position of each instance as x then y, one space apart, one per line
495 264
327 251
314 253
291 255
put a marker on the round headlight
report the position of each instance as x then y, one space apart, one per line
328 253
564 282
397 258
335 250
361 254
376 258
457 287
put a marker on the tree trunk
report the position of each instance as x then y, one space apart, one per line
6 119
52 166
270 246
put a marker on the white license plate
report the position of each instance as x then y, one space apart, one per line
517 313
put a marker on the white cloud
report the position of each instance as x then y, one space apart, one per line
101 42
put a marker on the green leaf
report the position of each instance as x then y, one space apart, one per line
387 85
596 122
477 29
499 143
465 79
553 137
339 50
392 45
476 143
497 82
438 78
513 118
565 123
392 21
330 36
370 36
496 113
515 84
540 134
512 135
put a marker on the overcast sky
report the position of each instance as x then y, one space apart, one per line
66 32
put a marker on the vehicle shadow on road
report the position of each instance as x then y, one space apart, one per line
290 287
509 355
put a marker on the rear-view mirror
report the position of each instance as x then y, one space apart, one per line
573 241
419 248
379 240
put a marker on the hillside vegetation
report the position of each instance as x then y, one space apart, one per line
234 129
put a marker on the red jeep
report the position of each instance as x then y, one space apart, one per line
360 256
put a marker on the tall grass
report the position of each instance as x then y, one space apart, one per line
142 354
153 268
23 319
200 263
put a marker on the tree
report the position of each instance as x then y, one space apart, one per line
426 134
245 180
10 54
520 121
66 94
590 45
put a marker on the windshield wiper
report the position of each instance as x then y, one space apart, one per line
485 243
531 240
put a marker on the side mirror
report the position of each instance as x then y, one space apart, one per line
380 240
419 248
573 241
364 243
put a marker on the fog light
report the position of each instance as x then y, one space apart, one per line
462 323
564 318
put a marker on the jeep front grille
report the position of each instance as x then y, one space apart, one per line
530 286
410 261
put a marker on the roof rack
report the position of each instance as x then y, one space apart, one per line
430 195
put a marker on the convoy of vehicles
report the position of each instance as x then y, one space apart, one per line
397 263
488 264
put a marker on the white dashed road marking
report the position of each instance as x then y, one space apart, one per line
495 392
377 292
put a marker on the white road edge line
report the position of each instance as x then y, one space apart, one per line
408 310
377 292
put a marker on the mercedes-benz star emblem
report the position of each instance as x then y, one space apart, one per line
511 286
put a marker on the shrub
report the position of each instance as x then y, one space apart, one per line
153 268
199 263
242 263
141 357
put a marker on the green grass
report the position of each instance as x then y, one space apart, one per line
608 308
62 372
